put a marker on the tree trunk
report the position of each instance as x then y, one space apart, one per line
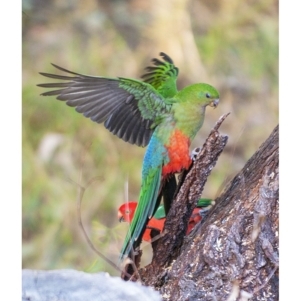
233 253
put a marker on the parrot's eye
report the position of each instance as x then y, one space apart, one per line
207 95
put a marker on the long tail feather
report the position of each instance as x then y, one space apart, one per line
145 210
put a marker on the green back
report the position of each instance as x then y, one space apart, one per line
204 202
160 212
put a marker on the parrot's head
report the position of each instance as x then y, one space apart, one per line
126 212
208 95
200 94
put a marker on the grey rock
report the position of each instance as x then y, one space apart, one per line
72 285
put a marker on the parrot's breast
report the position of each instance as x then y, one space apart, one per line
156 224
178 153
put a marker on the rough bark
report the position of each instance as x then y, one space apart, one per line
233 253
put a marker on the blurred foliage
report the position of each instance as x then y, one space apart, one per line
232 45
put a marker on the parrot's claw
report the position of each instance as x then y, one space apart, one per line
195 152
136 251
204 210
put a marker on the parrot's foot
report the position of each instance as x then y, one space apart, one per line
204 210
136 251
195 152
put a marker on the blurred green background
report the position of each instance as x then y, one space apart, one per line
232 45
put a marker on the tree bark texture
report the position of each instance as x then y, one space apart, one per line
233 253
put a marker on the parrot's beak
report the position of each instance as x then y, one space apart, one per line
214 103
120 217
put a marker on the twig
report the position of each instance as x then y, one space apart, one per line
81 191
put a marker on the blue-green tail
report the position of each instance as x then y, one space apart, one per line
147 204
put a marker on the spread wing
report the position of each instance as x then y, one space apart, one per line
129 108
162 76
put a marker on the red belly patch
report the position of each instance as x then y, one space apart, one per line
178 153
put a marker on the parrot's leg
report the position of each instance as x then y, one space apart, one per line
195 152
168 192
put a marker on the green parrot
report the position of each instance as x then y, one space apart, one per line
150 112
